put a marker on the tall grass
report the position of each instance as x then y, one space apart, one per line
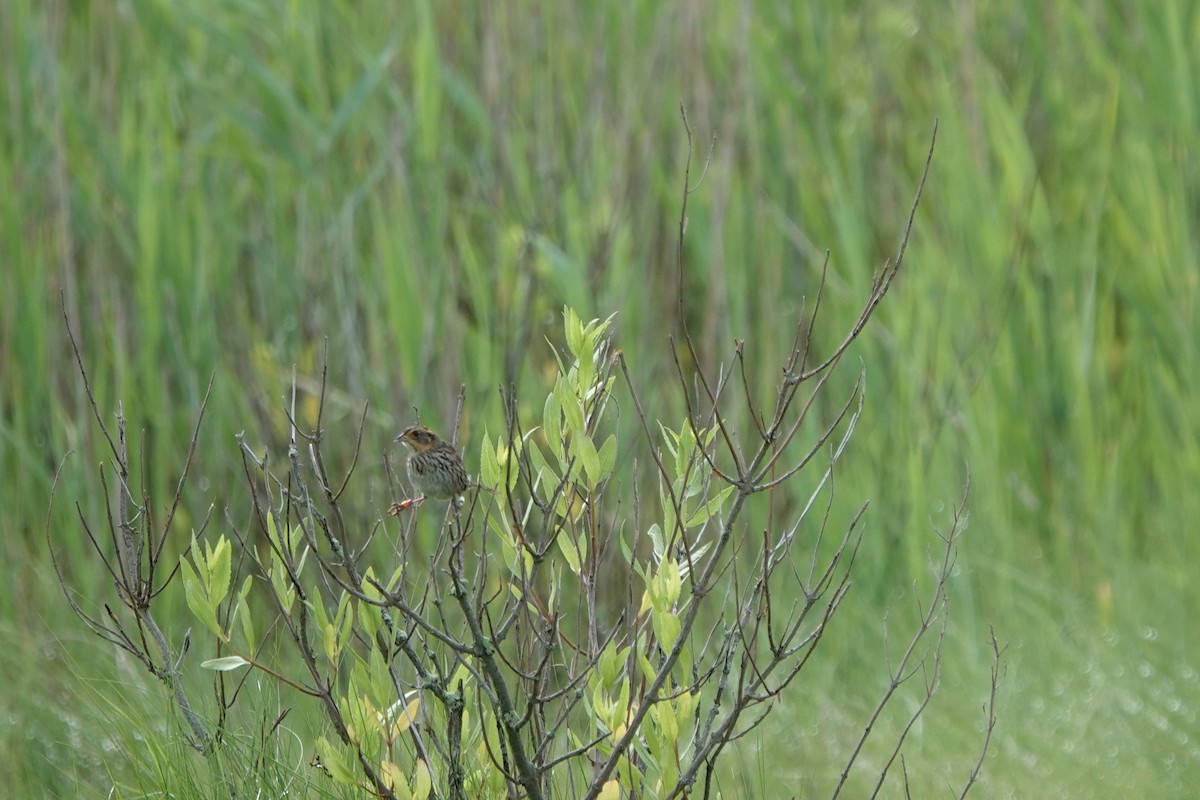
223 187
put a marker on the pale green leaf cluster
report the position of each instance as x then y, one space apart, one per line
206 582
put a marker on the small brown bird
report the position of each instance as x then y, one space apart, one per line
434 468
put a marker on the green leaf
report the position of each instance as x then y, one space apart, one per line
394 581
272 531
663 713
281 585
668 769
395 778
510 464
708 510
552 600
331 759
552 425
369 620
571 407
422 781
538 459
608 456
344 622
648 670
611 664
697 480
226 664
666 627
197 599
670 439
516 558
329 640
656 541
489 466
245 618
368 584
319 613
219 560
585 373
670 581
570 555
581 545
325 629
295 539
402 718
626 552
668 510
586 453
685 705
379 677
547 481
687 445
576 337
605 710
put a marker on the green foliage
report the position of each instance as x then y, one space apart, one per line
206 585
397 669
217 187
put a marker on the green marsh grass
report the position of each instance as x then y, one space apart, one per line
219 188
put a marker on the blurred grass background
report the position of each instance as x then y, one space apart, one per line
218 187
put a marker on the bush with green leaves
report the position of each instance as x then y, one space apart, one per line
562 632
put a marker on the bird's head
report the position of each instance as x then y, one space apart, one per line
419 438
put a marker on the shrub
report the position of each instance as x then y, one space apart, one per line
559 638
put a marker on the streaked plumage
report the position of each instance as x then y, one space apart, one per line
434 467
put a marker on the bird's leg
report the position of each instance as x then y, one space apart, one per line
405 505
